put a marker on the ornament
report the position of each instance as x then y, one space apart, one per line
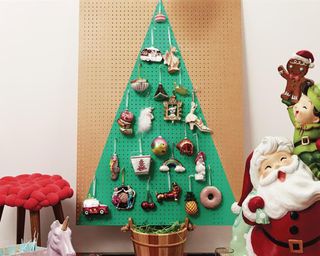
191 205
210 196
193 120
185 146
170 59
179 88
148 204
172 162
200 163
92 206
139 84
114 163
123 197
141 163
145 120
160 94
159 146
151 54
160 18
126 119
172 109
173 194
297 67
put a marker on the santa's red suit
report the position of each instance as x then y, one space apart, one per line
301 228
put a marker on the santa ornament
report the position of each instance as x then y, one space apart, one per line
297 69
284 207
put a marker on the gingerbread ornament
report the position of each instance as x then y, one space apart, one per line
297 68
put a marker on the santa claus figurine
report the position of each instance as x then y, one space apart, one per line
284 205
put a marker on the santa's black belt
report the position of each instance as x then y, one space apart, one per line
304 141
286 245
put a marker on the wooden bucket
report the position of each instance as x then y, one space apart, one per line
171 244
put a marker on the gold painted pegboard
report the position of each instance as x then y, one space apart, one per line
209 36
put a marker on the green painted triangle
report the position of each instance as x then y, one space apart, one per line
166 212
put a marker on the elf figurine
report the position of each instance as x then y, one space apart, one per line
297 67
305 116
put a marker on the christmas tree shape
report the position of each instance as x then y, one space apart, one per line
167 212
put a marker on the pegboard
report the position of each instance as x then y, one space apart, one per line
109 45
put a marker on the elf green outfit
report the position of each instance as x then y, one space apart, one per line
305 137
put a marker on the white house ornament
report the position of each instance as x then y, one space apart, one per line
141 163
172 109
193 120
140 84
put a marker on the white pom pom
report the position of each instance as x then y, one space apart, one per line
311 65
235 208
144 120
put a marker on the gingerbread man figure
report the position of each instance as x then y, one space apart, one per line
297 68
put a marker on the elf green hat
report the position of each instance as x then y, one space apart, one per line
314 95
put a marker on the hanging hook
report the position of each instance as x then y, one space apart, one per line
160 74
140 146
127 99
169 37
169 180
122 176
94 187
190 187
197 140
115 146
209 175
185 130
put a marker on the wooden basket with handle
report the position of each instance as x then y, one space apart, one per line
159 244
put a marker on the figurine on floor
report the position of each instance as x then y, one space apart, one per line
285 209
305 117
59 239
297 68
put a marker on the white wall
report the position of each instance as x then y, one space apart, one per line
38 97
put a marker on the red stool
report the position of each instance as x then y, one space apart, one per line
32 192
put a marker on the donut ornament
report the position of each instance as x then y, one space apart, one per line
210 196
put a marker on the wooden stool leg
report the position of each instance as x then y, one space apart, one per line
35 225
21 213
1 211
58 212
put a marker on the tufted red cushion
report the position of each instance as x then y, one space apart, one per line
33 191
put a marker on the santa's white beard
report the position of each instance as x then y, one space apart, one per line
297 192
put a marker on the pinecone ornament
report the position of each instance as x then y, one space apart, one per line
191 206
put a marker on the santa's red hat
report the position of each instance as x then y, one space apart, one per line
306 57
246 187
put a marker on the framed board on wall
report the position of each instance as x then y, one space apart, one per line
111 33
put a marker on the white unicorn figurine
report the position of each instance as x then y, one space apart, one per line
145 120
59 239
